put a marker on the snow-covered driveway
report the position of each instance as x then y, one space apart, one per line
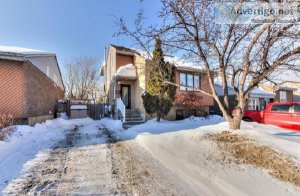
86 160
86 157
78 163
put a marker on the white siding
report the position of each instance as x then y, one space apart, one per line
48 65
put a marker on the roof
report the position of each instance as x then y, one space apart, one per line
220 92
261 93
183 64
255 93
286 88
179 63
40 59
273 88
122 49
18 51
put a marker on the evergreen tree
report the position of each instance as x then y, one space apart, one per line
159 96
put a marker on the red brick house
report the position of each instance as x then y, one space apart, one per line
125 81
30 84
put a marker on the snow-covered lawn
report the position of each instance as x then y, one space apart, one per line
179 147
174 153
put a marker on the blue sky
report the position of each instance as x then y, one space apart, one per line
70 28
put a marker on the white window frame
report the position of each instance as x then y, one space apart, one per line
189 87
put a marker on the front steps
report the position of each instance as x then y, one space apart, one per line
133 117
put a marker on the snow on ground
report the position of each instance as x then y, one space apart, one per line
178 146
28 141
287 141
174 152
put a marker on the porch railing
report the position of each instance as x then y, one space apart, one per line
122 108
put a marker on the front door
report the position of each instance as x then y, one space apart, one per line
125 95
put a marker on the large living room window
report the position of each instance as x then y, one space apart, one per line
187 80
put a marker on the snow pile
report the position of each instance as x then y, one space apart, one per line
154 127
127 71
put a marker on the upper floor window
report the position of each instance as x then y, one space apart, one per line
187 80
182 81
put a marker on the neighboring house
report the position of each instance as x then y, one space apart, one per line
282 93
30 84
125 83
258 99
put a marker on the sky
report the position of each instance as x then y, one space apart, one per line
69 28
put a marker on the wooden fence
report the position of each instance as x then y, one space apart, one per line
96 111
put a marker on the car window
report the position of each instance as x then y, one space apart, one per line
297 108
280 108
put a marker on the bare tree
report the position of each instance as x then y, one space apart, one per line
242 55
82 79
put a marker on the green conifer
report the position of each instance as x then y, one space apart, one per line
159 96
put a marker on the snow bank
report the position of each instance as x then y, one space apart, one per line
164 126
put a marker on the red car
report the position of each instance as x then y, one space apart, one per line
286 115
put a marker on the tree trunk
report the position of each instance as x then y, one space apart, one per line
159 111
158 116
235 121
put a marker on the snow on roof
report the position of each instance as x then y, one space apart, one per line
127 71
23 51
220 91
179 63
46 62
78 107
182 63
261 93
255 93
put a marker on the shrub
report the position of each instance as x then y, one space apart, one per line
6 128
6 120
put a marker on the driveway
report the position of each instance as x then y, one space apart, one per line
86 163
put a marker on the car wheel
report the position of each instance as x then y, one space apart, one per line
247 120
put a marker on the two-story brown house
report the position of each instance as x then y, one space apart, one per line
125 82
30 84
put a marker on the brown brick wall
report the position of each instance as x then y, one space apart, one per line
41 93
11 88
289 95
204 99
